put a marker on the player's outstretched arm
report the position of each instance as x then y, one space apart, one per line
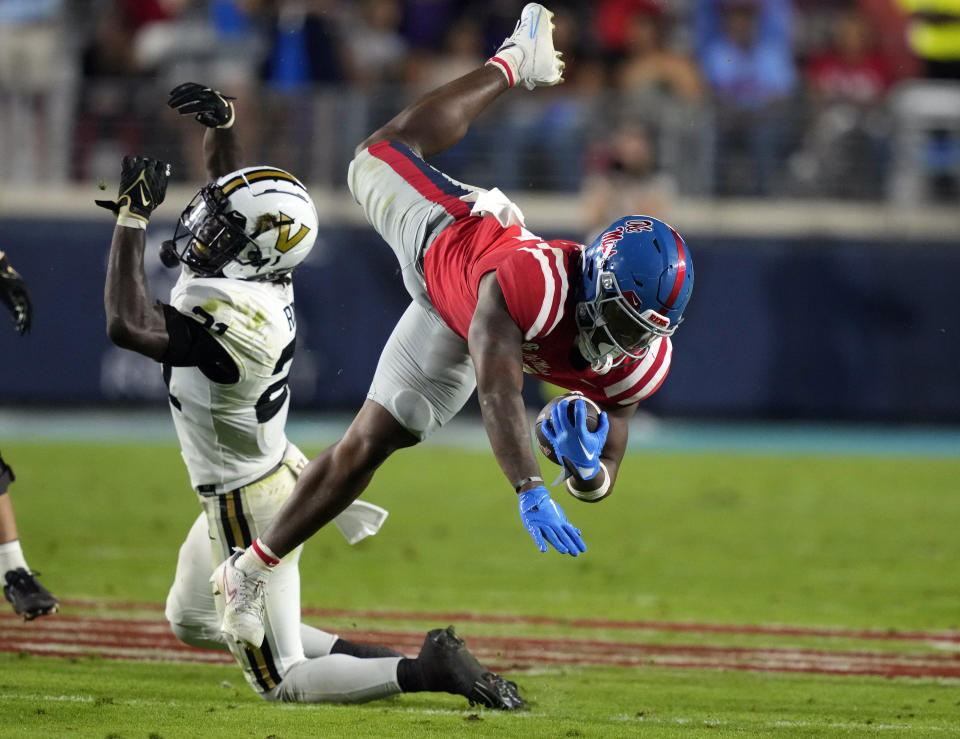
221 150
495 347
134 321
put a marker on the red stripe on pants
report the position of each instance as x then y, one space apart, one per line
414 176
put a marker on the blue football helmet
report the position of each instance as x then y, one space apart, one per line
636 280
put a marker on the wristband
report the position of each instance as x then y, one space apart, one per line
131 221
591 495
525 480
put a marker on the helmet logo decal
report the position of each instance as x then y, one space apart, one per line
285 242
656 319
634 300
608 243
282 223
638 226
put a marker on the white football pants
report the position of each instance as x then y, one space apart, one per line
294 662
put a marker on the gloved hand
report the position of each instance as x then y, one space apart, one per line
212 108
544 519
143 185
14 295
577 449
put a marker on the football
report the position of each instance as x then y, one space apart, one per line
593 420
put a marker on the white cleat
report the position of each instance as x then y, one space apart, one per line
243 595
527 56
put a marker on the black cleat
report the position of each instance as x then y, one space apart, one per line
28 597
446 655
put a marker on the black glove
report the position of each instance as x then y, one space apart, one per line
6 473
213 109
143 185
14 294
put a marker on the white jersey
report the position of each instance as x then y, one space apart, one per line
232 433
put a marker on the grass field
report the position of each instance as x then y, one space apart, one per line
720 595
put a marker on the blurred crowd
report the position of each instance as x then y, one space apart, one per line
851 99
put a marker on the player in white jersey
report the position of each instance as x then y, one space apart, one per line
226 341
232 428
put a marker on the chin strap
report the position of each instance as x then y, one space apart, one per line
605 362
602 365
599 364
168 255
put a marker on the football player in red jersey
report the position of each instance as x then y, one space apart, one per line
491 301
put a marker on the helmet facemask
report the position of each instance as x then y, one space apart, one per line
611 330
214 234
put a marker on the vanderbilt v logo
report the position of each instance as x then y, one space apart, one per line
285 242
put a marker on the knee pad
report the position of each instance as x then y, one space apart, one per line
200 635
414 412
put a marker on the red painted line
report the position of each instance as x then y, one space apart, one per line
150 640
93 623
829 632
124 639
201 656
600 646
878 672
111 605
689 627
198 655
157 635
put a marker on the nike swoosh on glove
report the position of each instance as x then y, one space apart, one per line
143 186
577 448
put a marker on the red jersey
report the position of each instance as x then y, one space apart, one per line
862 81
534 277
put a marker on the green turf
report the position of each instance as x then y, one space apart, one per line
94 698
825 541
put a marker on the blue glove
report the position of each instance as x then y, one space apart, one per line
577 449
545 519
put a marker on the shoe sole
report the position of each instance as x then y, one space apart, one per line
556 54
235 637
240 642
37 612
497 693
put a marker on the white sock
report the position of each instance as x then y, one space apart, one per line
508 62
11 557
257 558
